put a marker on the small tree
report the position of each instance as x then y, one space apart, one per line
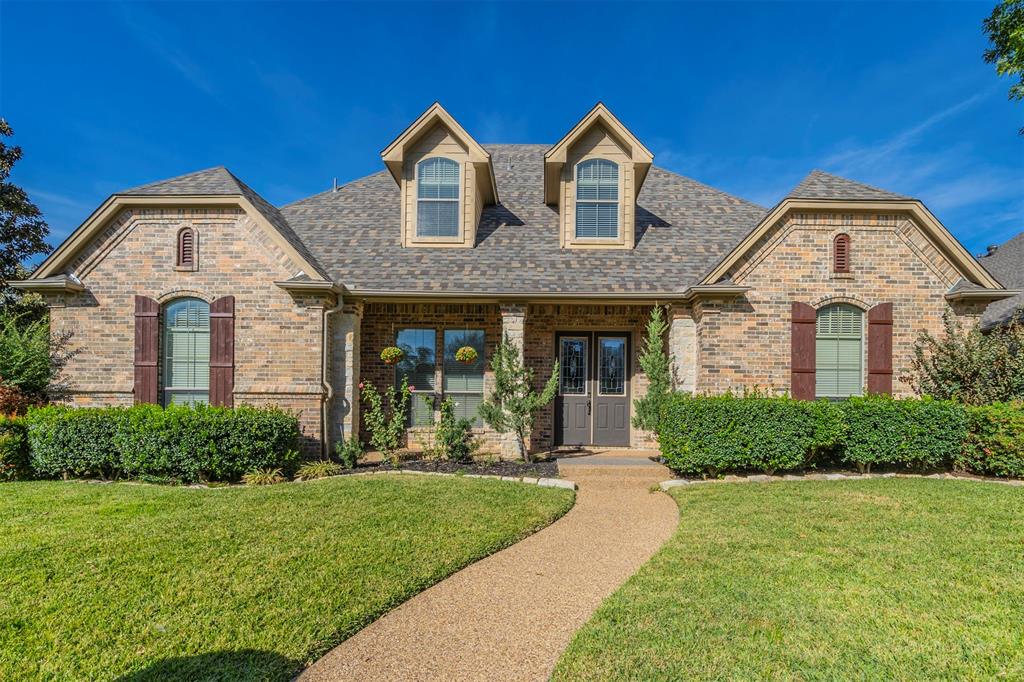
969 366
385 417
32 362
514 403
657 366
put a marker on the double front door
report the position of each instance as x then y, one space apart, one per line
592 407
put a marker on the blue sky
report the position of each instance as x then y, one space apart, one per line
745 97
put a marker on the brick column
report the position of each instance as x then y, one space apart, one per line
345 344
513 328
682 346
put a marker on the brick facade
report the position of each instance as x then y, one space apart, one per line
745 342
277 334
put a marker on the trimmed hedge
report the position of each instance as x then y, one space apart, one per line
179 443
918 434
712 435
14 457
995 440
709 435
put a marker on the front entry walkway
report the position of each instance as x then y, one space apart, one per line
510 616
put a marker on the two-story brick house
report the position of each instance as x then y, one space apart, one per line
196 288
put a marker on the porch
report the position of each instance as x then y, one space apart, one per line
597 346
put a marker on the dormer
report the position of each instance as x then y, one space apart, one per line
446 178
594 175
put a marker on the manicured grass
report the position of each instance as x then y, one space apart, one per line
144 582
853 580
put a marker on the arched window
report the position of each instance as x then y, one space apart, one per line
841 253
437 203
597 199
186 248
186 352
839 351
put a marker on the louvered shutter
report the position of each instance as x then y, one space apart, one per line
880 349
222 351
802 351
841 254
147 345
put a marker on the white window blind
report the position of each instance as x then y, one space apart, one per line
186 352
597 199
839 351
437 203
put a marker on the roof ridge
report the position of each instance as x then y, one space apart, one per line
820 184
183 176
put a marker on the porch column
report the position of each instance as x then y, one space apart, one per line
345 348
682 346
513 328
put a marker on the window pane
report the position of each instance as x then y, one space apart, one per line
839 351
572 363
438 179
437 219
186 351
418 364
597 220
597 179
612 366
464 383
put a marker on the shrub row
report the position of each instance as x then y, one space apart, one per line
179 443
14 458
710 435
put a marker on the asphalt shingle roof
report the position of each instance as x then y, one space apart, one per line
221 181
683 229
821 185
1006 265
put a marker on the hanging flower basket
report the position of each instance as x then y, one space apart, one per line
391 355
466 355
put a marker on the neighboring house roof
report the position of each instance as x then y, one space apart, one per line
219 181
1006 263
821 185
683 227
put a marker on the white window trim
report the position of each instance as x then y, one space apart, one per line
863 350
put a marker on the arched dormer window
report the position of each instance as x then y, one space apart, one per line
186 352
841 253
597 199
186 253
839 351
437 198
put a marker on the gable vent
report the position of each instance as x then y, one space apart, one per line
186 248
841 253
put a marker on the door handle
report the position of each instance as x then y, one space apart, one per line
588 406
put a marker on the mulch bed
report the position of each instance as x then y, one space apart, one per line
546 469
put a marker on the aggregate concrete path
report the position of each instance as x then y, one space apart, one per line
510 616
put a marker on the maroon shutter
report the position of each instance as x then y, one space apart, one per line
222 352
802 355
880 349
147 345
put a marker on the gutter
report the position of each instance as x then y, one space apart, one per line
324 383
690 293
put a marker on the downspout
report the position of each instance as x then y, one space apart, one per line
324 382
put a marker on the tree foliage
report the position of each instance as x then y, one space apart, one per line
32 362
657 366
1005 31
514 402
969 366
22 228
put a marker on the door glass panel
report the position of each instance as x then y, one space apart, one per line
572 360
611 377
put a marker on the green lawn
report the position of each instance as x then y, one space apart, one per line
856 580
142 582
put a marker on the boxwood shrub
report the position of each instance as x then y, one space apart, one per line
709 435
147 441
14 458
913 433
995 440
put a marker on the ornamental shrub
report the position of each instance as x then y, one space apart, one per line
920 434
14 464
180 443
709 435
995 440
